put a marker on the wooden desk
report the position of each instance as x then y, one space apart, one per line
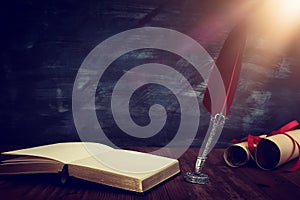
226 183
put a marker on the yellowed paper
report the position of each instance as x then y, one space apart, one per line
63 152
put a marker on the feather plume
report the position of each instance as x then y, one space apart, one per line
229 64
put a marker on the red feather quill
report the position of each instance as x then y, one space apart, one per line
229 64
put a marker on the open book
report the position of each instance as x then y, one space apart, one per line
129 170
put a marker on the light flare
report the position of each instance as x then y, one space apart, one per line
289 10
278 21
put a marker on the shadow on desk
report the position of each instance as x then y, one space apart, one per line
226 183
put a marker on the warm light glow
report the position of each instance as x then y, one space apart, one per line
279 21
289 9
284 12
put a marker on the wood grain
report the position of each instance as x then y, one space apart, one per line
226 183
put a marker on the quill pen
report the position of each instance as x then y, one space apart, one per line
228 64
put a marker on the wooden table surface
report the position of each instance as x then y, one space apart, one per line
225 183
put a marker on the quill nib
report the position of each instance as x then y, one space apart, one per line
199 163
197 176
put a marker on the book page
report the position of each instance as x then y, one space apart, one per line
63 152
26 159
126 162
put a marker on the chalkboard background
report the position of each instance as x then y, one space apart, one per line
43 44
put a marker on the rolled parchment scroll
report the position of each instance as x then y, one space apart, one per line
237 154
270 152
276 150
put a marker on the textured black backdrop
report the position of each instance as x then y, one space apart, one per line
43 44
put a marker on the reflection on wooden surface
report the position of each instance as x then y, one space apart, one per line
226 183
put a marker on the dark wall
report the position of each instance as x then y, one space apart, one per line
45 42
